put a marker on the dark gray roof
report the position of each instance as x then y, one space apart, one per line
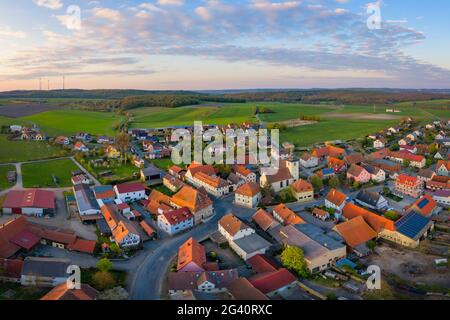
319 236
151 170
103 226
252 243
368 197
45 267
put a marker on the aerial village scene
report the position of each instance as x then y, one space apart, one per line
89 183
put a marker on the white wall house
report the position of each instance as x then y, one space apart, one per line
176 221
129 192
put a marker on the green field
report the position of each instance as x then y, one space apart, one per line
4 169
328 130
19 151
69 122
120 173
40 174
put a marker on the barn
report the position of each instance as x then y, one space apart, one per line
32 202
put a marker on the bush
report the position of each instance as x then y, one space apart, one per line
293 259
103 280
104 265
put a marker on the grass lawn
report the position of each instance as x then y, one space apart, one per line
328 130
6 121
164 163
4 184
69 122
288 111
18 151
21 292
163 189
120 173
40 174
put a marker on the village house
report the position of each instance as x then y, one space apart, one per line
417 161
335 200
320 214
172 183
286 216
328 151
241 238
390 167
214 185
358 174
442 197
245 174
336 164
288 172
104 139
264 220
196 200
177 172
410 149
104 194
83 136
123 232
372 200
30 202
425 175
206 281
80 146
380 143
242 289
408 185
176 221
129 192
62 140
308 161
320 249
80 179
302 190
426 206
438 183
354 158
248 195
191 257
376 174
443 168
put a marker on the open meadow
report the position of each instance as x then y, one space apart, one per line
19 151
40 174
4 169
69 122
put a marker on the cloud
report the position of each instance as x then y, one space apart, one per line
171 2
107 14
7 32
51 4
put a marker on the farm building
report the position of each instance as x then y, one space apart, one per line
32 202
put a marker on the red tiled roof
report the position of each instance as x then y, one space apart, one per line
130 187
148 229
261 263
25 239
264 220
406 155
8 231
191 252
11 267
301 185
271 281
407 180
85 246
175 217
32 198
242 289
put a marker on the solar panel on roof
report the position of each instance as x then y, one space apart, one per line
411 224
423 203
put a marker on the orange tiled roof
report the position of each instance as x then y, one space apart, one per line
232 224
424 205
444 163
302 186
335 162
123 229
356 231
249 189
264 219
197 167
336 197
242 170
320 212
406 155
215 182
192 199
355 170
287 215
378 223
191 251
62 292
110 215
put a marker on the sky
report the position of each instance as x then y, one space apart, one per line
214 44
